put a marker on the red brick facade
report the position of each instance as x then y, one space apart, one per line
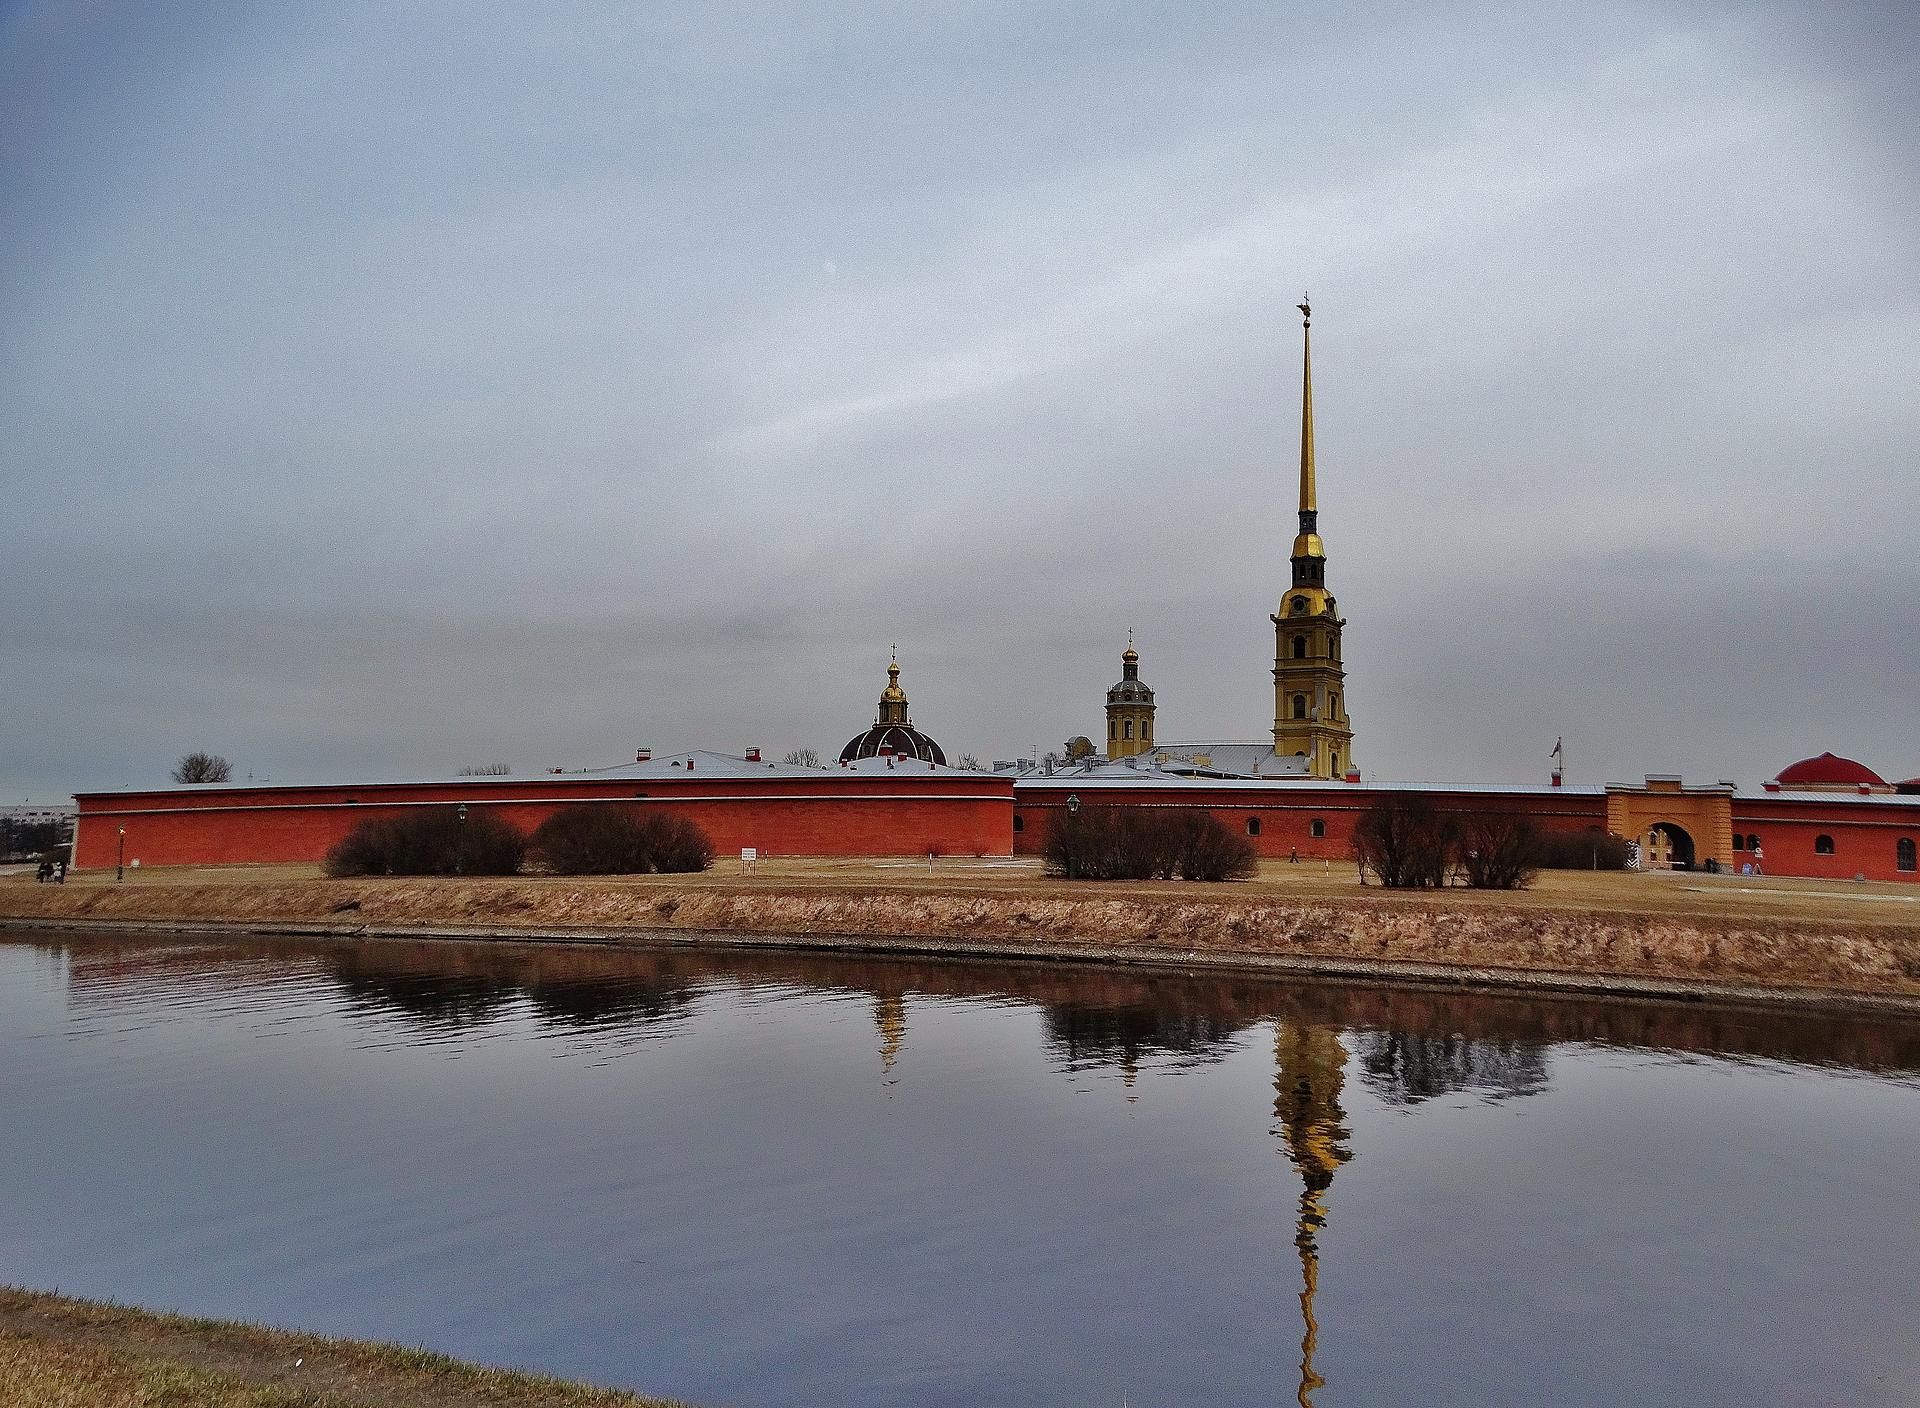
831 814
1280 818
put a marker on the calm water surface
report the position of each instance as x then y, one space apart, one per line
767 1179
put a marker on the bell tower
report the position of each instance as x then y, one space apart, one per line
1129 709
1309 682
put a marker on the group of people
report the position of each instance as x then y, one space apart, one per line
51 872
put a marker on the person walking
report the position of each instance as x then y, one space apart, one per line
1756 859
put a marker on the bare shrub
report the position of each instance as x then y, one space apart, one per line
430 841
675 845
591 839
1406 843
1131 843
486 770
802 758
1498 850
600 838
202 767
1580 850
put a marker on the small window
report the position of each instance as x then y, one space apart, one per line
1299 606
1299 706
1019 824
1753 843
1126 729
1299 647
1903 853
1146 730
1823 845
1253 826
1334 759
1739 841
1317 828
1113 728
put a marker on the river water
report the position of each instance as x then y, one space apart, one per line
787 1179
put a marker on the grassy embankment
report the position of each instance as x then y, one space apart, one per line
56 1352
1627 931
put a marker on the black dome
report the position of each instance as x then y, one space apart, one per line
905 740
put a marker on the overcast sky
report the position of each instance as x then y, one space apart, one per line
385 389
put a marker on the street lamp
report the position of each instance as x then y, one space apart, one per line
120 865
460 846
1073 804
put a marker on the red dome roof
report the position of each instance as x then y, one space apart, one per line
1828 770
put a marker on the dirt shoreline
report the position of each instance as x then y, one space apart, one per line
1577 945
57 1349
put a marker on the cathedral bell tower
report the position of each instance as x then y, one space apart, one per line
1309 682
1129 709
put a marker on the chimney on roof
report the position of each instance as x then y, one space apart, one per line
689 764
1353 774
753 755
886 750
1866 789
643 755
1556 777
1770 786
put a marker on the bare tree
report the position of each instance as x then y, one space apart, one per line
1405 842
802 758
487 770
1498 851
969 763
202 767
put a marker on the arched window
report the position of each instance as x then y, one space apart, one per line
1253 826
1334 759
1903 853
1126 729
1316 828
1753 843
1019 824
1739 841
1333 705
1823 845
1299 706
1333 647
1146 730
1299 647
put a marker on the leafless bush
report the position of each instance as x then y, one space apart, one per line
677 846
599 838
431 841
802 758
1130 843
1498 850
1580 850
202 767
1406 843
486 770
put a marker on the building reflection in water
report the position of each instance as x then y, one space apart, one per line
890 1016
1309 1074
1405 1068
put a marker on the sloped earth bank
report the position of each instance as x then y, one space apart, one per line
57 1352
1398 937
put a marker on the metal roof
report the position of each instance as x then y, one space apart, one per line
697 763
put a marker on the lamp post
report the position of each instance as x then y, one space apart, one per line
120 865
1073 804
460 846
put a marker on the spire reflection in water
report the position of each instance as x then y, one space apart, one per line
1309 1074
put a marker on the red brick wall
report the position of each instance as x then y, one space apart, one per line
1865 837
838 816
1286 817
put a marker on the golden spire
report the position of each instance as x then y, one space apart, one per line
1307 544
1307 486
1130 653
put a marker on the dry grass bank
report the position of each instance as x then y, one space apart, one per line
56 1352
1780 934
